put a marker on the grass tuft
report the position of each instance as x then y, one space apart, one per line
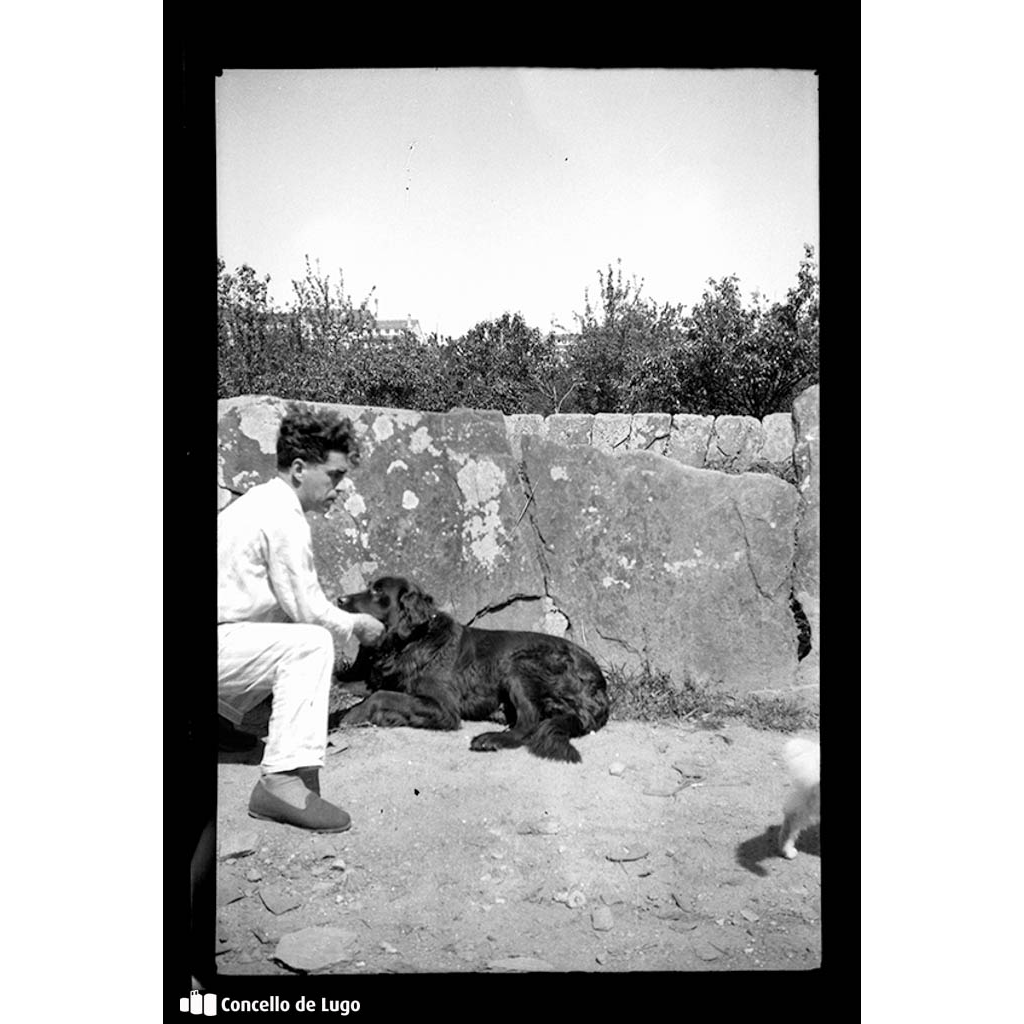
649 695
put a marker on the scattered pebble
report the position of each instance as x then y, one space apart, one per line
684 925
628 853
573 899
312 948
750 915
602 920
539 827
277 901
238 844
387 947
705 951
254 875
616 768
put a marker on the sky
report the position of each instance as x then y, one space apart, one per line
459 194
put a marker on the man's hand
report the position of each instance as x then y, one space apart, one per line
366 629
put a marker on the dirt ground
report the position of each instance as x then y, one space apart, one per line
655 854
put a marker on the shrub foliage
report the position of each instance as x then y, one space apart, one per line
628 353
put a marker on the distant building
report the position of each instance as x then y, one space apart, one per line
393 328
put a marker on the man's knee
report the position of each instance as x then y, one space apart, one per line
315 640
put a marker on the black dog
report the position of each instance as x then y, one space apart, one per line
430 672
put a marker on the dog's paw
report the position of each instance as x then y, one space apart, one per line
485 741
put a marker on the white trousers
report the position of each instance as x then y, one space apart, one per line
292 661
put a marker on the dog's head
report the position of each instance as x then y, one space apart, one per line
397 602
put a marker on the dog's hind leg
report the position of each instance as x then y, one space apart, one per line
520 713
550 738
544 737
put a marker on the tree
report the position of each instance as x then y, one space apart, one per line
751 361
624 346
500 364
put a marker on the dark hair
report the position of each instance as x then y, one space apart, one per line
310 435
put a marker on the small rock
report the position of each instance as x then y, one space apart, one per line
539 827
312 948
387 947
573 899
602 920
750 915
277 901
601 958
616 768
628 853
321 847
238 844
254 875
705 951
338 865
684 925
519 963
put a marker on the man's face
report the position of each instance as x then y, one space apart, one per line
319 481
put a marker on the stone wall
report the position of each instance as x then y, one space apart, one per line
675 542
730 444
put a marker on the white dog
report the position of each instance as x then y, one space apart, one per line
803 805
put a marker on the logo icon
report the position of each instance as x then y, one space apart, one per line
205 1004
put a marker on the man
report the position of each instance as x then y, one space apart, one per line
275 623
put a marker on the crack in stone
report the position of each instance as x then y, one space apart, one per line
804 636
498 606
531 505
540 547
750 561
622 643
654 440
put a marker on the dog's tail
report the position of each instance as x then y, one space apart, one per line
803 760
550 738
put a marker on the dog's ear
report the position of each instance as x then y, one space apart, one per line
414 607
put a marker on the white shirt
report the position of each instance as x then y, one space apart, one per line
265 569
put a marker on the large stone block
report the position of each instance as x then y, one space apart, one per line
570 427
650 431
652 562
735 443
776 454
688 439
611 431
